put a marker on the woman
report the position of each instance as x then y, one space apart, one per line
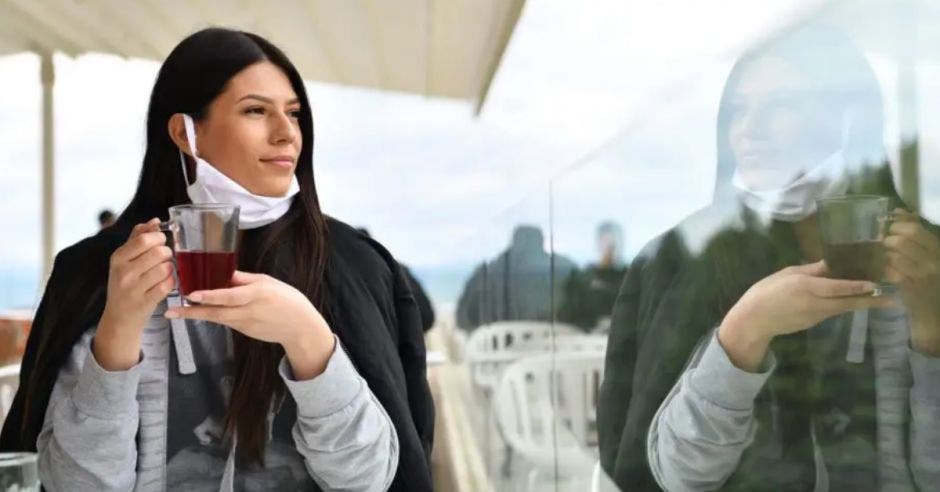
734 363
317 379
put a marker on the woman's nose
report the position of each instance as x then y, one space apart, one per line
283 131
751 124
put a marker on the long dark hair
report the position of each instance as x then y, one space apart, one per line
293 249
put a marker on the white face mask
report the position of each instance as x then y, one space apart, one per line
211 186
797 200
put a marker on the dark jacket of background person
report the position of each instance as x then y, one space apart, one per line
589 295
517 285
369 295
678 290
421 297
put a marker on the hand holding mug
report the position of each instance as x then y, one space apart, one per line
139 277
790 300
912 262
264 308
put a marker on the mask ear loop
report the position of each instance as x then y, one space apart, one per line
191 140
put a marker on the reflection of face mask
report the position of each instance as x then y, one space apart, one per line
211 186
797 200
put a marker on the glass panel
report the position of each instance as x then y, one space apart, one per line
506 310
743 352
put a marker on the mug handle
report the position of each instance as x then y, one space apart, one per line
171 227
885 219
168 226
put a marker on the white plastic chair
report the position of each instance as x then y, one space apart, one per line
492 347
546 410
9 381
593 343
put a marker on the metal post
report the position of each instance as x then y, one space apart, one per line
47 75
907 111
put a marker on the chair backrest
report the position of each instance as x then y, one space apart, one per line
9 382
593 343
490 348
546 408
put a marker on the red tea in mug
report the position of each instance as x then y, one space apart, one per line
204 270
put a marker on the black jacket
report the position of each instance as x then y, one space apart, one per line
371 309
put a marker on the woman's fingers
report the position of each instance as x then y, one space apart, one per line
143 237
213 314
244 278
903 243
909 226
904 265
153 257
817 269
833 306
156 274
233 296
835 288
896 276
162 289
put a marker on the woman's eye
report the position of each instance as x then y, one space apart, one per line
255 110
295 114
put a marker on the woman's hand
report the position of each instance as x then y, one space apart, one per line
912 262
140 276
788 301
264 308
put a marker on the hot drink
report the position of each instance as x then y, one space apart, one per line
203 237
852 229
862 260
204 270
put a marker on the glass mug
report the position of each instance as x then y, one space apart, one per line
852 229
204 245
19 472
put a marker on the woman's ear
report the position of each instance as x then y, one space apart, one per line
177 129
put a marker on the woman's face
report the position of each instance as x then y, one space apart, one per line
251 132
778 125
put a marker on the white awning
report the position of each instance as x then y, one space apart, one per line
447 48
443 48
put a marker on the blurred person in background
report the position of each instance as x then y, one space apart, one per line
589 294
421 297
105 218
517 285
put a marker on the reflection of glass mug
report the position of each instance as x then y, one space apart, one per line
18 472
204 237
852 229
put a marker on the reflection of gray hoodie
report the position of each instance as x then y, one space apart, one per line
707 421
158 425
517 285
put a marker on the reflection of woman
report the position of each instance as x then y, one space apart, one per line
317 378
714 379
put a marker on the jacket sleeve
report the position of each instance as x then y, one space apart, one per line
88 440
925 420
413 354
345 436
706 422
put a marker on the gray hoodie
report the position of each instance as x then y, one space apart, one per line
158 425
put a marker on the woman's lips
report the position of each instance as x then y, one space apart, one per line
286 162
